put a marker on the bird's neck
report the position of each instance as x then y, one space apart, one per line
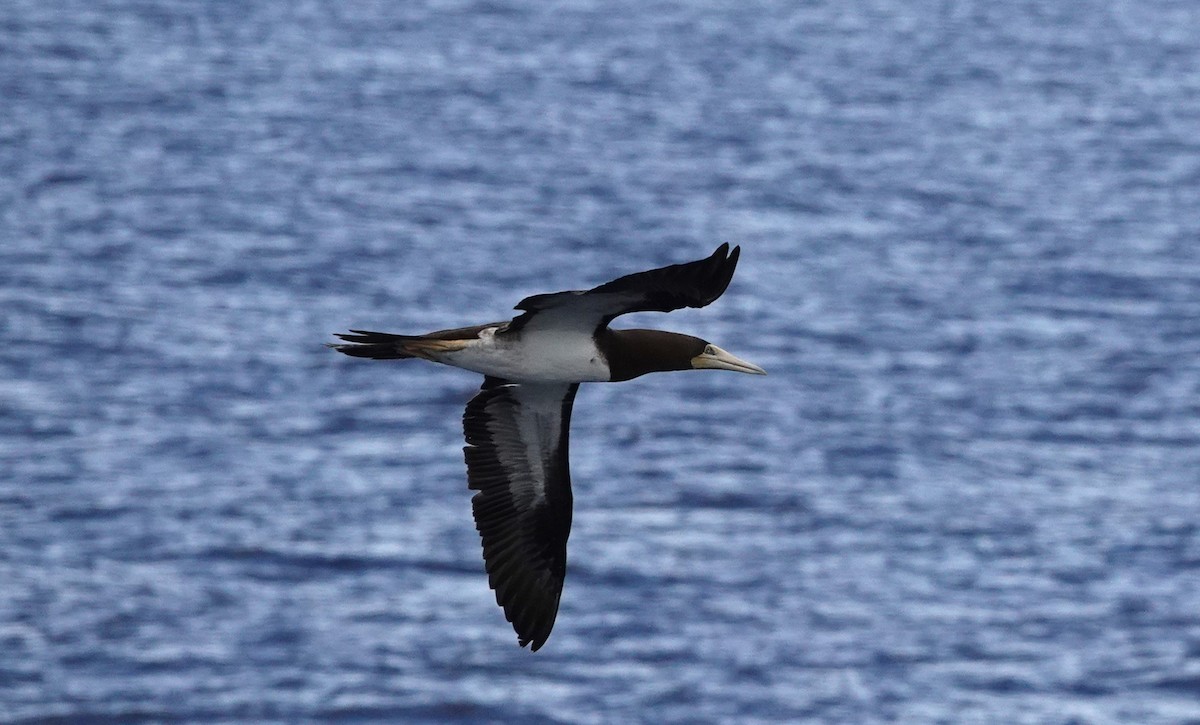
633 353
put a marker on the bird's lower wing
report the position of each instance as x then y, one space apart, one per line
692 284
517 436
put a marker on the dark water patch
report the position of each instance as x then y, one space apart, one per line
1186 684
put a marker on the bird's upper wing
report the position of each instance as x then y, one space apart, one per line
516 455
692 284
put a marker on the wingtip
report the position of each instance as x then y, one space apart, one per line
725 268
725 257
534 642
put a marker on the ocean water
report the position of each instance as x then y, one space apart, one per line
968 492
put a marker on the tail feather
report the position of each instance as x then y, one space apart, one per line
386 346
374 345
375 337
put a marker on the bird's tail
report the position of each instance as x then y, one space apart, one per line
386 346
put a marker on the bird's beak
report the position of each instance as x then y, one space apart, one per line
715 358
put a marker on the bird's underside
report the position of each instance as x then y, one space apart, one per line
518 426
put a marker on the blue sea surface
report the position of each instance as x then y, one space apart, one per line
968 491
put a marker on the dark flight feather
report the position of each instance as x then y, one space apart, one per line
691 284
516 453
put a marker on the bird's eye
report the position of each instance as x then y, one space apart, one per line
708 350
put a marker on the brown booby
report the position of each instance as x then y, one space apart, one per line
518 424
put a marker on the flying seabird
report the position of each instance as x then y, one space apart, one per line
518 424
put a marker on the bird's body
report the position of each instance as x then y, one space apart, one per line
517 427
532 356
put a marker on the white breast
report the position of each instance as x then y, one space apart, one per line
550 356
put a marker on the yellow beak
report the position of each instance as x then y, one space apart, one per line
715 358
